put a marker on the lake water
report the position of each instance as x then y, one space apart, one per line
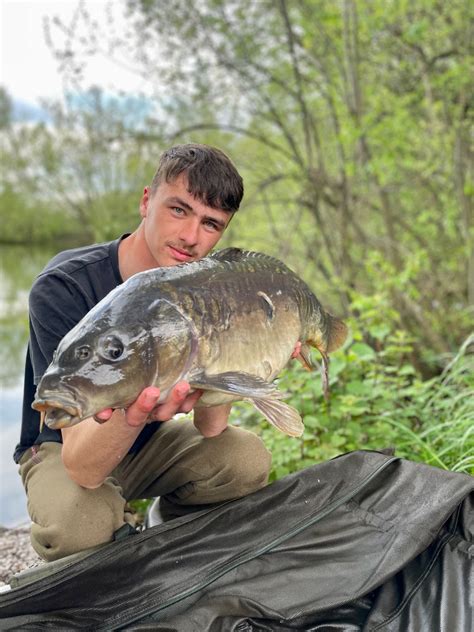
18 268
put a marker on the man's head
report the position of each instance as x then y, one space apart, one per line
210 175
185 211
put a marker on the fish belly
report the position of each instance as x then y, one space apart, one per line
251 344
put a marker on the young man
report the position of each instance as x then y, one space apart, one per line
79 480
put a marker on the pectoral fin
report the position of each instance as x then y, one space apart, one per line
281 415
236 383
264 396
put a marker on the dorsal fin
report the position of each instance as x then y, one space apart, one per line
235 255
230 254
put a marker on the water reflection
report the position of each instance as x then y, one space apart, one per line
18 267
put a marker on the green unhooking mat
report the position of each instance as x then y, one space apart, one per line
362 542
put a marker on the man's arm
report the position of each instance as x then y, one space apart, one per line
212 421
92 450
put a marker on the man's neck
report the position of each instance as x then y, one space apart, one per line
132 255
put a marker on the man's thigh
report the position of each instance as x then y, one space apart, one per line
181 464
66 517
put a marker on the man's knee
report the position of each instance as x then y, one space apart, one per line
84 519
67 518
249 460
240 461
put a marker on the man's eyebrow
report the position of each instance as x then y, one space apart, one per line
179 202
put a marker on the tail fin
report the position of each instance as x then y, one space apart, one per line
337 333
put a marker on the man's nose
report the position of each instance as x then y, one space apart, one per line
189 233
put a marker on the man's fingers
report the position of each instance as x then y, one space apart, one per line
104 415
138 412
173 403
145 407
190 401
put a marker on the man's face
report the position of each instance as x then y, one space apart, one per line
178 228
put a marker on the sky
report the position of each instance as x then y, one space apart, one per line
27 68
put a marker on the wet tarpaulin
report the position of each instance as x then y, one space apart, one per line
362 542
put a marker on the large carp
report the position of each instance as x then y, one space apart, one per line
227 324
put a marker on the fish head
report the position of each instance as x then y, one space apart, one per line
128 341
95 366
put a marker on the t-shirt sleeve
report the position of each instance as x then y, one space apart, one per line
56 305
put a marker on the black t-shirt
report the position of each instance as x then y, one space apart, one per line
70 285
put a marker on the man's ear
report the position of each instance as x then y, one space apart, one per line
144 201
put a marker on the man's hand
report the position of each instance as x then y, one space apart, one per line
145 407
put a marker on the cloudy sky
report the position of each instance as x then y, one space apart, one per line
27 68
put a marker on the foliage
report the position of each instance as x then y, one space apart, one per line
27 220
378 401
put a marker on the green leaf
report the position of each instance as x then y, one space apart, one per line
363 351
380 331
357 387
311 421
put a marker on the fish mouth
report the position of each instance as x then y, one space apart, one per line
57 413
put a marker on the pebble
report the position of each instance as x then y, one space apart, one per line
16 552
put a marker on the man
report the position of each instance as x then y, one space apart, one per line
78 480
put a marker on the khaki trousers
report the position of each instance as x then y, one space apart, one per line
187 470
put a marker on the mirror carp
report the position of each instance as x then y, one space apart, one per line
228 324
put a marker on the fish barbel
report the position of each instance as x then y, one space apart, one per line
227 324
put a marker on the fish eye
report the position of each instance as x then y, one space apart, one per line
83 352
111 347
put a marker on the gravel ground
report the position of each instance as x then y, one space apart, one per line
16 552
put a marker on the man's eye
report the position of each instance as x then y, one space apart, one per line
178 211
211 225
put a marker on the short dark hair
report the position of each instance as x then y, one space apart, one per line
211 175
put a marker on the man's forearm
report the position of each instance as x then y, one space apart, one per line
212 421
91 450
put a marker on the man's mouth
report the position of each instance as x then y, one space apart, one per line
180 254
